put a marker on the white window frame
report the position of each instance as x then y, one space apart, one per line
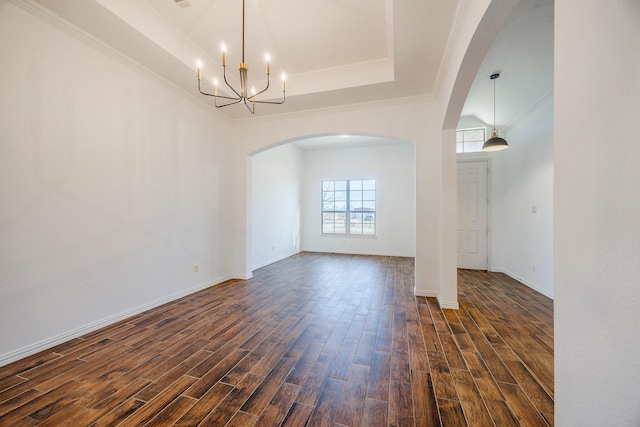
366 217
468 130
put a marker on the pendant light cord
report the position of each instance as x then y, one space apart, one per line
495 143
494 77
494 105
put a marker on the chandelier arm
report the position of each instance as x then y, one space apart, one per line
235 101
251 108
224 76
272 102
252 98
203 93
222 97
255 101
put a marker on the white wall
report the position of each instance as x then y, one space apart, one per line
118 185
468 122
597 213
112 185
428 122
276 176
477 25
392 166
523 179
412 120
100 89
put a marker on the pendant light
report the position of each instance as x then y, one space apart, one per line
495 143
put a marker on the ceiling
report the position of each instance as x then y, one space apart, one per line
328 142
334 52
522 54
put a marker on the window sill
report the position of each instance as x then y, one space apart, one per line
349 236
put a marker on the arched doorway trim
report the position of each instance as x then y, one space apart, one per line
288 170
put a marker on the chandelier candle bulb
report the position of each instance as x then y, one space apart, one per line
267 58
224 54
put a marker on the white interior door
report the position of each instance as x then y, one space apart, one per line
472 216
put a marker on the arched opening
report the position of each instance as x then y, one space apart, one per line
520 216
285 208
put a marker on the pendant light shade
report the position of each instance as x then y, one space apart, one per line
495 143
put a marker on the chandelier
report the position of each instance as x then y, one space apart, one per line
248 97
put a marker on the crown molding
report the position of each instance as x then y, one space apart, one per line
38 10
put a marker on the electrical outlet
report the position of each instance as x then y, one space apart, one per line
195 268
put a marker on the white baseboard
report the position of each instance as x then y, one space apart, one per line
350 252
425 293
23 352
434 294
272 260
449 305
545 292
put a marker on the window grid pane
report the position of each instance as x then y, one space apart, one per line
470 140
348 207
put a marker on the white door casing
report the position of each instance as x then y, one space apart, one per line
472 215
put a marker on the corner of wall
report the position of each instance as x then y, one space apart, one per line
242 276
448 305
540 289
444 304
425 293
50 342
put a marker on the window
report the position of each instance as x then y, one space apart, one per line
469 140
349 207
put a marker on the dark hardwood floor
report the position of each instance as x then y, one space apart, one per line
316 339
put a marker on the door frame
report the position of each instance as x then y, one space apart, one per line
473 158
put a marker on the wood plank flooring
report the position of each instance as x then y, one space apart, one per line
317 340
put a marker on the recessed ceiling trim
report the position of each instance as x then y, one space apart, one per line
154 27
166 36
389 16
352 75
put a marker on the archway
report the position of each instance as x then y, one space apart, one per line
473 46
427 121
284 187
